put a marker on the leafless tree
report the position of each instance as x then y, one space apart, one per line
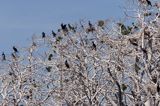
106 63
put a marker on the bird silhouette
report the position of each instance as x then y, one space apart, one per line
43 35
158 88
124 30
49 68
50 57
154 79
53 33
124 87
134 42
94 45
134 26
90 25
157 5
13 55
90 28
145 2
3 56
78 57
158 15
149 2
66 64
34 44
101 23
71 28
64 28
146 32
133 94
15 49
145 52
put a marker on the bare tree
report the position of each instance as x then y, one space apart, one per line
106 63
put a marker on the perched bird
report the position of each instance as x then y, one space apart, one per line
66 64
137 59
145 2
49 68
43 35
147 32
59 30
149 2
124 87
3 56
134 42
137 68
53 33
50 57
145 53
78 57
123 29
134 26
158 88
94 45
90 25
71 28
59 38
133 94
13 55
147 14
10 73
144 50
64 27
154 79
34 44
91 28
157 5
101 23
158 15
15 49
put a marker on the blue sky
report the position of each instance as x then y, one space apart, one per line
20 19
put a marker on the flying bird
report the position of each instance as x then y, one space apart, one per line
3 56
43 35
66 64
15 49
